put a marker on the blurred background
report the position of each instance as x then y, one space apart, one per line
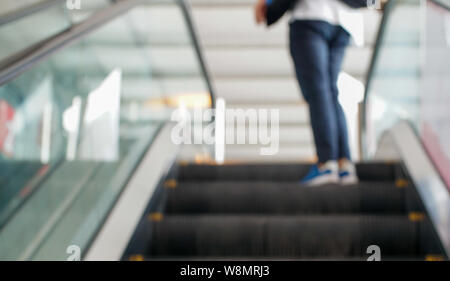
87 93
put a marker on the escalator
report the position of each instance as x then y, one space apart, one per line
67 161
81 101
240 212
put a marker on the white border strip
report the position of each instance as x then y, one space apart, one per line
112 240
433 191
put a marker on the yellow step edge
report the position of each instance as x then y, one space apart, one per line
155 217
416 216
401 183
172 183
434 258
136 258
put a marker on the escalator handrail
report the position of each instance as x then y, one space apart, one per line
28 11
376 52
48 47
195 41
380 36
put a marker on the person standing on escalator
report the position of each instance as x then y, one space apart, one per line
319 35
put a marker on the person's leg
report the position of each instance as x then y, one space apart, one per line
309 48
310 53
337 51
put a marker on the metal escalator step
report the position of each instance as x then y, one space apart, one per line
277 172
287 198
283 236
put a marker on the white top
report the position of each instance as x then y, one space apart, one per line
334 12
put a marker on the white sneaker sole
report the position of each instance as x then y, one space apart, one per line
349 180
322 180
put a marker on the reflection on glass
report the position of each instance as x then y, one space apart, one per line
96 106
411 78
22 33
10 6
435 88
393 91
87 8
100 133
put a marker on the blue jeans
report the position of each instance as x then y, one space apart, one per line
317 49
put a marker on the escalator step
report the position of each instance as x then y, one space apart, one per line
287 198
283 236
280 172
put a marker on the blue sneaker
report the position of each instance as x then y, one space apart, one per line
327 174
347 173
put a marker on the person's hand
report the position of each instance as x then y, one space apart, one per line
260 11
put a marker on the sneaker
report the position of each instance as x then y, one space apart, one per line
327 174
347 173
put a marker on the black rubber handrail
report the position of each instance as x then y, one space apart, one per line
198 50
28 10
380 36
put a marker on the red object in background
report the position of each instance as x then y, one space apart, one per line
433 146
31 184
7 113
